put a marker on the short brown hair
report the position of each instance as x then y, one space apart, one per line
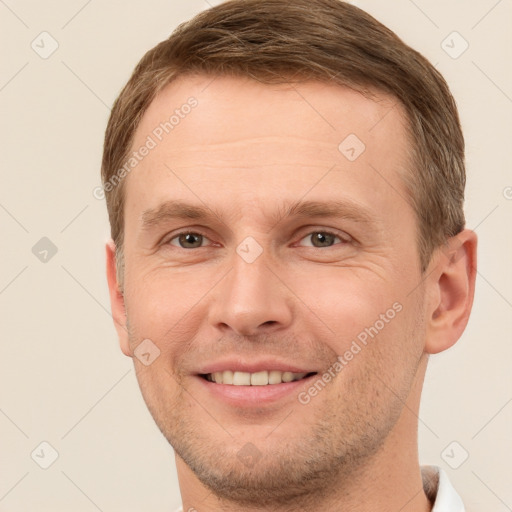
282 41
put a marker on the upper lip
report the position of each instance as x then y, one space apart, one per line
239 365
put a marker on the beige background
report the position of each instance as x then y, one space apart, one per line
63 379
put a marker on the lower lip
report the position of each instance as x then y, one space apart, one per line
251 396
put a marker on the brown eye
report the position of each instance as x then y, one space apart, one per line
188 240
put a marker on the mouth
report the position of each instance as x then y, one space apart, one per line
253 384
249 391
260 378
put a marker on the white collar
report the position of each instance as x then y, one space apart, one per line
439 490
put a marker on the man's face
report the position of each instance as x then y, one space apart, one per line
301 245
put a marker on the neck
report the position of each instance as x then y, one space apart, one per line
389 481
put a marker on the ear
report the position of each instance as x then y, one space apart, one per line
451 280
117 299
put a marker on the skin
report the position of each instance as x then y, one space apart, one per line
244 151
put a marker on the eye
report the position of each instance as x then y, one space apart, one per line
188 240
321 239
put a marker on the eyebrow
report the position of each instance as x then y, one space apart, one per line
172 210
342 208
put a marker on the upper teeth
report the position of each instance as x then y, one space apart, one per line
253 379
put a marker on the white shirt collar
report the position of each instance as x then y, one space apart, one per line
439 490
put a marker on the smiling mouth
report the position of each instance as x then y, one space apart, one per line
263 378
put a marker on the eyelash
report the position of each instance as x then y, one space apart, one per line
344 239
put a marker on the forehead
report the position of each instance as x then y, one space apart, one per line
210 134
314 110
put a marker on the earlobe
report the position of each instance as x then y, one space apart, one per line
117 299
452 288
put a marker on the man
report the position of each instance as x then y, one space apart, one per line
285 185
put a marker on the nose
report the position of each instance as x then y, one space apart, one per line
251 300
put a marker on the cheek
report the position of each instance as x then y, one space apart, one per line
346 301
162 392
374 327
380 363
162 303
